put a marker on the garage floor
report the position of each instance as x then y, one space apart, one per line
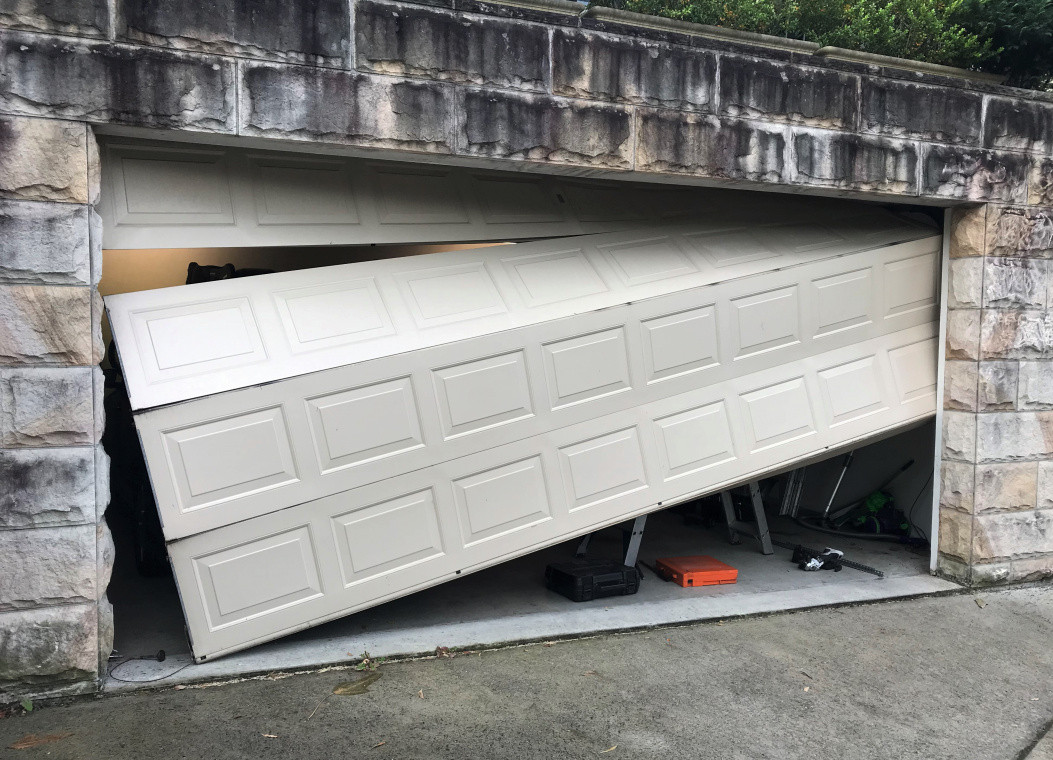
509 603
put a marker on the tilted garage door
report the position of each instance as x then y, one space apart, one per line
324 440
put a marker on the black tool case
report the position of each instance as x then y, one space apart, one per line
584 579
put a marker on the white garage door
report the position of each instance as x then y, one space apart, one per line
324 440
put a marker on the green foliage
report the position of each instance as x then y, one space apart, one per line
27 705
1021 34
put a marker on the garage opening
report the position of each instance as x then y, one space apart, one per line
625 300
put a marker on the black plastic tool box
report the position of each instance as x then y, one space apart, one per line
583 579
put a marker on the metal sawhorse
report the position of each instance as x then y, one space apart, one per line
758 529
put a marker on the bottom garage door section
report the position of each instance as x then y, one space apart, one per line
474 424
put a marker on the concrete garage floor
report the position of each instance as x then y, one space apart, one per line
509 603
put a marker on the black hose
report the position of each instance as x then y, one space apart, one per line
852 534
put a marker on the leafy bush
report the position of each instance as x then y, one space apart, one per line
1021 34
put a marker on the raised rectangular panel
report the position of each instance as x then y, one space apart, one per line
482 394
729 248
602 468
160 187
545 278
604 203
229 458
386 537
323 316
258 577
502 500
680 343
451 294
510 200
694 440
365 423
851 391
302 192
646 260
587 367
914 369
842 301
765 321
910 284
418 196
803 237
778 414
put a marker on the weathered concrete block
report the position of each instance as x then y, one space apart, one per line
1014 283
974 175
1031 569
407 40
1017 334
317 32
959 436
1045 485
968 231
859 162
300 103
955 537
47 652
47 566
1014 436
43 160
953 569
957 483
708 146
47 487
1017 231
1036 385
998 384
104 556
1040 192
965 283
963 334
990 573
79 18
1006 487
904 109
959 386
539 128
1018 125
627 70
44 243
47 407
755 88
103 82
1012 534
30 333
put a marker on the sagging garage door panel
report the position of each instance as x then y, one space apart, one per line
276 573
192 341
235 455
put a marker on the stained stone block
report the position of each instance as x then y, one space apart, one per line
104 556
1014 436
955 537
1041 190
105 630
627 70
324 105
407 40
1014 283
964 288
959 387
46 407
954 569
1017 334
48 651
974 175
43 160
858 162
315 32
990 573
1045 485
903 109
30 333
1017 231
1012 534
1036 385
968 231
44 243
538 128
963 334
959 436
79 18
998 385
102 482
957 485
1018 125
107 83
1006 487
47 487
47 566
754 88
707 146
1028 569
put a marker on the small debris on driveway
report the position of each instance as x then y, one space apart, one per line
980 602
33 740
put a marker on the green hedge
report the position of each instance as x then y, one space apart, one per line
1010 37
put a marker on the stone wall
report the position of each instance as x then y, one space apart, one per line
537 85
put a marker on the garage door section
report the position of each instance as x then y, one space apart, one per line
325 440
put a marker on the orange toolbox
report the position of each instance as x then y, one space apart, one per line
696 571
